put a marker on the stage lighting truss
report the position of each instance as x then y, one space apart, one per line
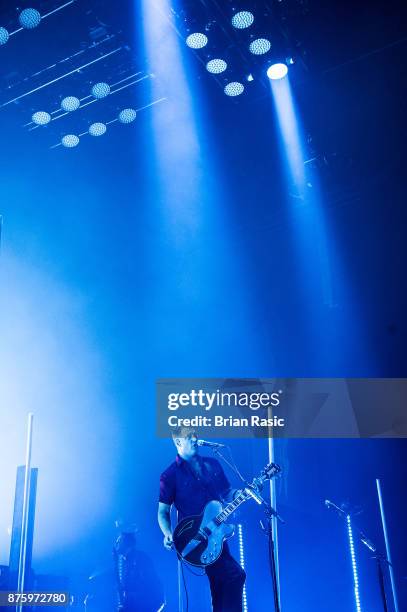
84 93
235 44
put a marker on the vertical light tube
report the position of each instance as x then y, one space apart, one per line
26 506
242 563
386 541
354 566
273 502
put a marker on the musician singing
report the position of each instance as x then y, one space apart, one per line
189 483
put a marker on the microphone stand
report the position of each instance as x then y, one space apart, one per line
268 531
270 513
380 558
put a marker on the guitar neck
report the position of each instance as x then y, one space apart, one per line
231 507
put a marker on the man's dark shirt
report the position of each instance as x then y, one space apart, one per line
189 492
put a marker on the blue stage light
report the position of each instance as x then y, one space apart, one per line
354 566
70 103
29 18
4 36
260 46
100 90
127 115
243 19
41 118
197 40
70 140
277 71
242 563
216 66
234 89
97 129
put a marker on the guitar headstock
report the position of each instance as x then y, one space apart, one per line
271 470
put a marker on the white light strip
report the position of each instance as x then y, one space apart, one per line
63 76
241 560
354 566
58 9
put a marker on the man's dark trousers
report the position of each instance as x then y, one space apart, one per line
226 578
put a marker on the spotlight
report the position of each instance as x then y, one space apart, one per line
260 46
127 115
100 90
243 19
4 36
70 140
277 71
197 40
41 118
97 129
70 103
216 66
29 18
234 89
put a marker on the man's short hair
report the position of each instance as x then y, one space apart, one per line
181 431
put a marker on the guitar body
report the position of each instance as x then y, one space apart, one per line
198 539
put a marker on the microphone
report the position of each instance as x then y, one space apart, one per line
210 444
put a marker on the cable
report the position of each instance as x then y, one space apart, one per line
185 585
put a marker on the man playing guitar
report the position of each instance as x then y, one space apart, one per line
189 483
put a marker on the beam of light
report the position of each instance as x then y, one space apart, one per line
191 253
354 564
290 133
314 239
177 142
308 222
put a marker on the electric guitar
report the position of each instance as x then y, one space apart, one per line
199 539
